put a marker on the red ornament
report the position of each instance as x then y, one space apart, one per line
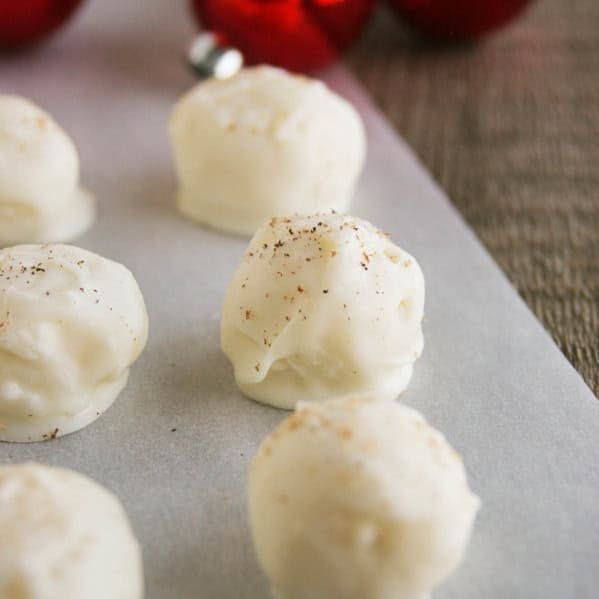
295 34
458 19
25 22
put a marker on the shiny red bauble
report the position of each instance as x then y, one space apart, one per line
458 19
26 22
296 34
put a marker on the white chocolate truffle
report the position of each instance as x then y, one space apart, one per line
323 307
71 324
264 143
64 536
40 197
352 499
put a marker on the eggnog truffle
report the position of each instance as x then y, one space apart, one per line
40 197
71 324
322 307
63 535
261 144
351 499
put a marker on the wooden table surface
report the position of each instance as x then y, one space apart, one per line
510 129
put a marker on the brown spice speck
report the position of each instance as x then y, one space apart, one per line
294 423
345 433
6 319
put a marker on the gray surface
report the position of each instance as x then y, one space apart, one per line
490 377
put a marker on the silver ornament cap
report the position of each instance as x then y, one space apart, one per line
209 57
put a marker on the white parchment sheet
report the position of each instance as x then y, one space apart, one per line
490 378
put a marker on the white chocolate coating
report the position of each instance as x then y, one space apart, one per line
264 143
323 307
64 536
71 324
352 499
40 197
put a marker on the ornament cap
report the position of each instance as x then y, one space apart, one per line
209 57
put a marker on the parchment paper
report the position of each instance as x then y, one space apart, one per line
490 377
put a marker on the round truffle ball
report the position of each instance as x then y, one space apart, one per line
261 144
40 197
321 307
71 324
63 535
351 499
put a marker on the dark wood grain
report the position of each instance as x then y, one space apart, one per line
510 128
